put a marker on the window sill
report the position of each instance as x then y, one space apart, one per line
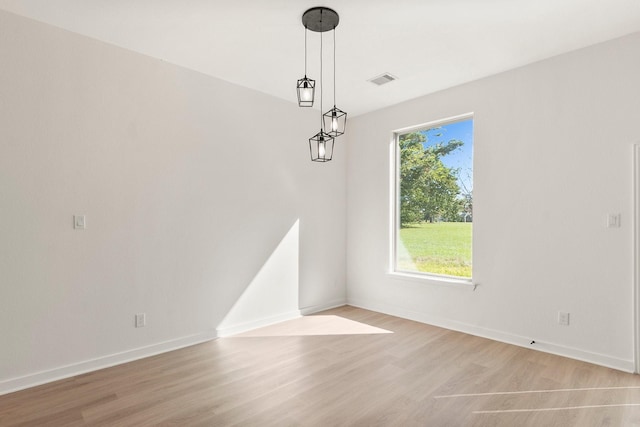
449 282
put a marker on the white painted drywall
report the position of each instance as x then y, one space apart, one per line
553 155
189 186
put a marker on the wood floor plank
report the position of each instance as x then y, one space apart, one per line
296 375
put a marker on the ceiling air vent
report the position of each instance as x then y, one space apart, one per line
383 79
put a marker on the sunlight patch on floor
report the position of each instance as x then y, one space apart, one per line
560 390
562 408
548 391
315 325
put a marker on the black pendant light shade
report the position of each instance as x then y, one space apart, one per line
321 147
306 87
306 92
335 121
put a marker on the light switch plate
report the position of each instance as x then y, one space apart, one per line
79 222
563 318
141 320
613 220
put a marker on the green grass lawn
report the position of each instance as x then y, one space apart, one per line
439 247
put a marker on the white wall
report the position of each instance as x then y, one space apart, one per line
190 185
196 197
553 155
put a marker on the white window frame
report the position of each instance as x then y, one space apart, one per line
394 214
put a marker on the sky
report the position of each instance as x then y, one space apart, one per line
462 157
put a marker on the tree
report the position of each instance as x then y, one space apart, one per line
428 189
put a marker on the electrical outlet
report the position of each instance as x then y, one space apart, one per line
563 318
141 320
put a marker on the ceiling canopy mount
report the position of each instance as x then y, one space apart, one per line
320 19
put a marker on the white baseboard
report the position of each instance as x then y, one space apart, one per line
226 331
38 378
322 307
505 337
43 377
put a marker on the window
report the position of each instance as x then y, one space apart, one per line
433 198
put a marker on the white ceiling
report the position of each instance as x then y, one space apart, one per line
428 44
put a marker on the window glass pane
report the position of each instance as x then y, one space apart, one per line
435 200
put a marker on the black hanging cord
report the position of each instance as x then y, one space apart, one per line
334 67
305 51
321 85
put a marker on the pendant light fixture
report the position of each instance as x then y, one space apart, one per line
335 120
306 87
321 144
320 20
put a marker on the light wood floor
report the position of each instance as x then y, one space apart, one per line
344 367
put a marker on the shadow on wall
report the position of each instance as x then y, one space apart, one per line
272 295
